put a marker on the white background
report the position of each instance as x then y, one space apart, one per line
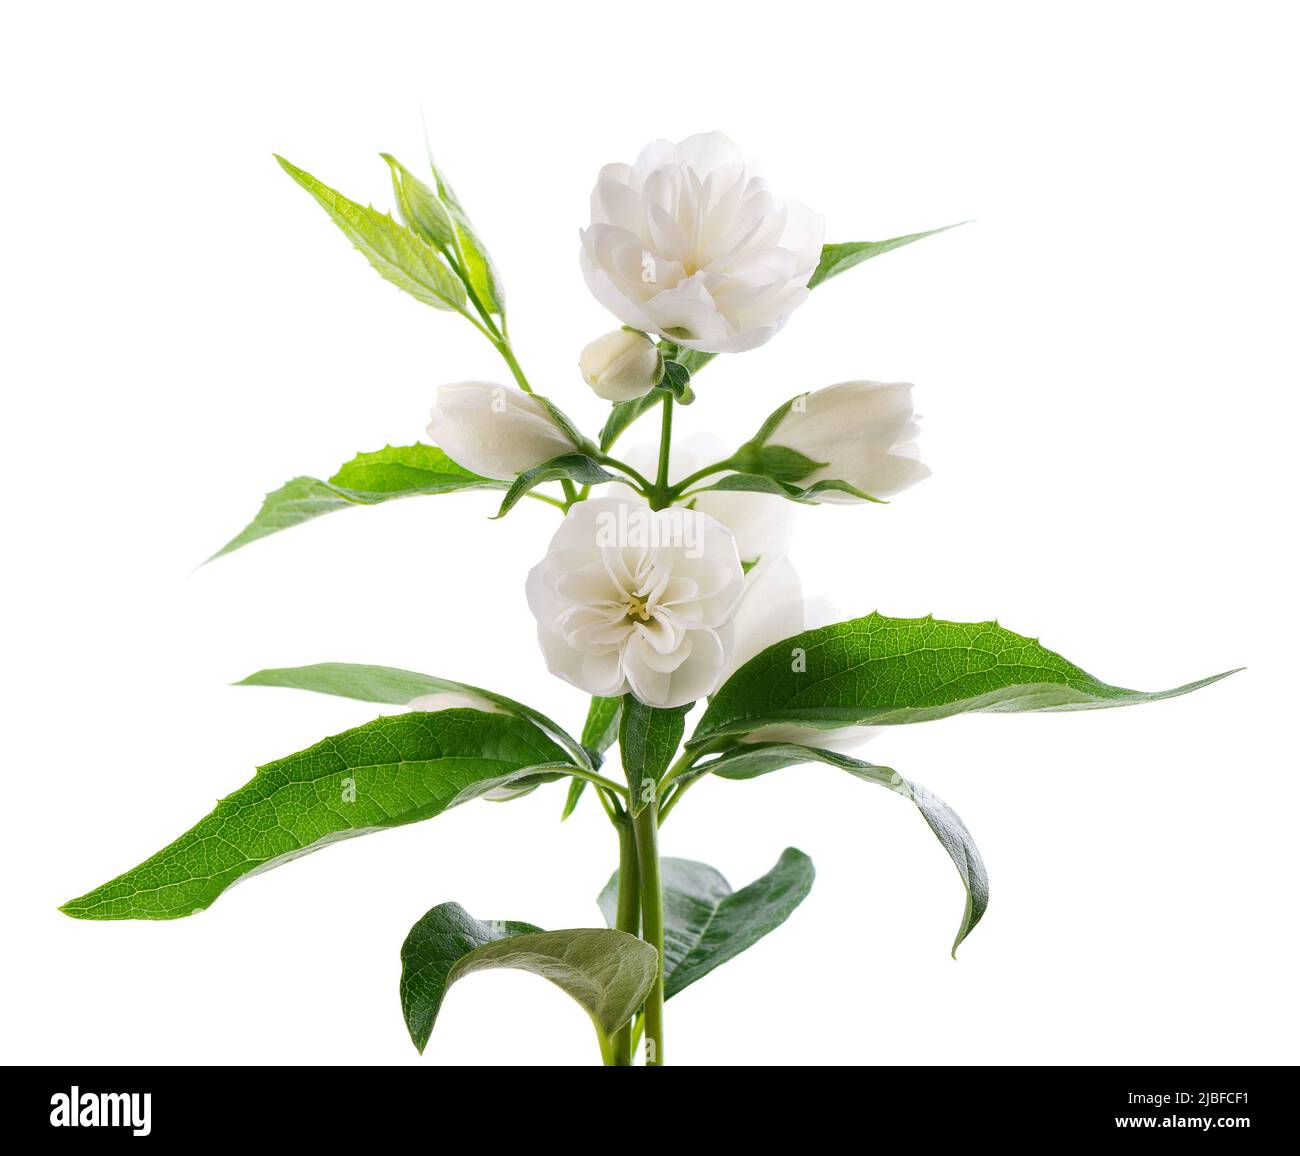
1106 364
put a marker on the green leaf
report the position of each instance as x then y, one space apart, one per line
387 773
395 252
367 480
574 467
676 380
761 484
750 761
706 923
474 258
419 206
388 684
648 738
624 413
608 972
889 671
599 733
837 259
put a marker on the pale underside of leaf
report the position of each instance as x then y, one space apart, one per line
706 923
388 684
607 972
748 761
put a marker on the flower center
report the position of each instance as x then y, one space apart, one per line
636 608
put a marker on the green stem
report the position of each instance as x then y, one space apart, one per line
503 348
661 496
652 921
627 918
599 780
716 468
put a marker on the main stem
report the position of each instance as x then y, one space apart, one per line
661 495
627 918
646 825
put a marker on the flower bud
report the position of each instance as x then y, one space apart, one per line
863 430
494 430
622 365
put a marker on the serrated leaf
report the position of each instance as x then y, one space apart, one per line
370 478
474 257
574 467
888 671
396 687
841 257
607 972
751 760
395 252
648 738
706 923
387 773
419 206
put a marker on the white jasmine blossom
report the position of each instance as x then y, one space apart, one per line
494 430
865 432
622 365
688 242
629 599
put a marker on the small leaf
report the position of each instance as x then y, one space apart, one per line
395 252
388 684
677 381
474 258
752 760
648 738
839 258
624 413
419 206
888 671
761 484
600 731
608 973
387 773
706 923
574 467
367 480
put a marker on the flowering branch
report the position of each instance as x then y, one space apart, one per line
653 596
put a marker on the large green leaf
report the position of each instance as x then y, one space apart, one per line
388 684
806 495
387 773
706 923
607 972
648 738
367 480
905 670
750 761
839 258
395 252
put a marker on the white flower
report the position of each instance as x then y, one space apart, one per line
687 242
630 599
621 366
863 430
763 524
494 430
